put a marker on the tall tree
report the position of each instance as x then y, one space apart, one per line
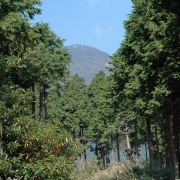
69 103
151 52
100 129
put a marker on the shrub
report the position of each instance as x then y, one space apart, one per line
119 172
156 174
39 150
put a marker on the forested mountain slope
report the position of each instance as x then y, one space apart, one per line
87 61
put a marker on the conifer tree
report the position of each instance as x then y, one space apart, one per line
148 61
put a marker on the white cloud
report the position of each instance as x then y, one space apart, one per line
101 32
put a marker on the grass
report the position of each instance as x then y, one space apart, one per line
125 171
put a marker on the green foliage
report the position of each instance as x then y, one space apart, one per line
118 172
14 25
156 174
69 104
32 149
144 85
102 112
39 151
30 56
87 61
146 74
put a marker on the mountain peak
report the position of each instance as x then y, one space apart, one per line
87 61
83 47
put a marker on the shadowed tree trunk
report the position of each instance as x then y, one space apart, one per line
172 155
151 148
165 157
107 154
157 146
96 153
112 150
146 151
41 102
117 142
103 155
136 143
85 157
176 127
45 105
33 102
176 139
82 159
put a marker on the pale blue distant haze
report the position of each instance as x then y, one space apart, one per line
95 23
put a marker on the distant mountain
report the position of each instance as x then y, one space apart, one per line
87 61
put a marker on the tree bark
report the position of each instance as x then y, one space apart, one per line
146 151
157 146
112 150
103 155
41 102
45 104
136 143
107 155
33 102
165 152
82 160
127 139
170 130
85 157
117 142
151 148
128 146
82 153
176 133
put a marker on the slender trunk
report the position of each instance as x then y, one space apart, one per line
136 143
85 157
96 152
146 151
103 155
82 153
171 140
33 101
41 98
168 149
165 157
151 148
128 150
45 104
171 148
112 156
1 133
117 142
82 160
157 146
127 139
176 139
112 150
107 154
178 135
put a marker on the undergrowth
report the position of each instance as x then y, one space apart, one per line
125 171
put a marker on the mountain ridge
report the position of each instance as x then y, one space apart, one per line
87 61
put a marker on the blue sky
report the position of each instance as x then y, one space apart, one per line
96 23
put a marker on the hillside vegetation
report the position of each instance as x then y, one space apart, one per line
50 117
87 61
